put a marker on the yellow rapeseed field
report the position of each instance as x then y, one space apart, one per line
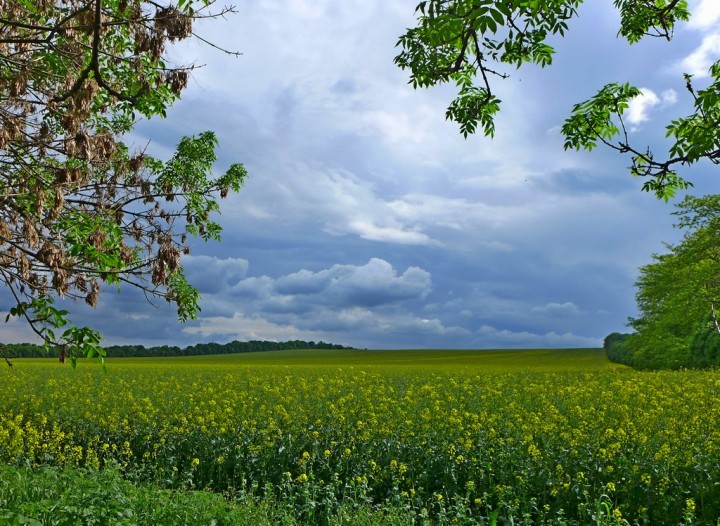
605 447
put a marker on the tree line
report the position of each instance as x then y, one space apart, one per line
678 297
30 350
702 352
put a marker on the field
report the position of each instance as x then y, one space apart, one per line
352 437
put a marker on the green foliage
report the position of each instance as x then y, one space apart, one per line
600 119
55 497
457 41
696 136
188 173
186 296
77 341
474 106
469 43
640 18
617 348
705 346
591 121
678 294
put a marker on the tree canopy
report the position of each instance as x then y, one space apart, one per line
678 296
78 206
475 44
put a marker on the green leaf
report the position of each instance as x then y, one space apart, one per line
498 16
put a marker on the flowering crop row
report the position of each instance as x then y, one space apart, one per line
457 445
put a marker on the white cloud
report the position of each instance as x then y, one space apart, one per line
699 61
458 213
369 328
669 97
352 299
401 126
374 284
213 274
320 305
640 106
705 15
505 338
241 327
557 309
706 20
340 201
367 229
307 9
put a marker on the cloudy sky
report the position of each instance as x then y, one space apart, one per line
367 219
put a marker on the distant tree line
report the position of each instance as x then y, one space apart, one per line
30 350
702 352
678 297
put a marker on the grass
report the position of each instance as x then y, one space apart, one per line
492 360
49 496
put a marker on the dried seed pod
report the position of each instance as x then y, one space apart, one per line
92 297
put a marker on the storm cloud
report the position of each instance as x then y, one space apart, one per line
368 220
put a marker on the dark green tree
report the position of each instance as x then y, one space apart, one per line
78 207
474 43
679 292
617 349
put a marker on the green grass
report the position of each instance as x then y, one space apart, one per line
495 360
52 497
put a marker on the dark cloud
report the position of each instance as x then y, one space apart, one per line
341 286
212 275
368 220
344 86
584 182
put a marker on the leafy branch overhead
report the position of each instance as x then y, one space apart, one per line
79 207
468 42
475 43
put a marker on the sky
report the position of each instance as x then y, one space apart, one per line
368 220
